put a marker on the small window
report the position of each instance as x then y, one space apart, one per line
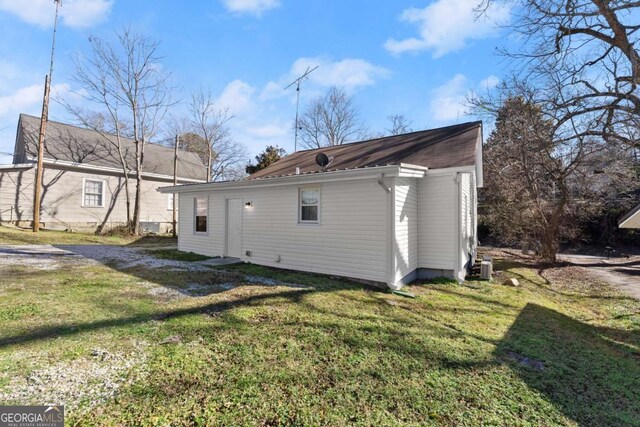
170 201
201 208
93 193
309 204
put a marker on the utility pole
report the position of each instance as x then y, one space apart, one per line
297 82
37 191
175 182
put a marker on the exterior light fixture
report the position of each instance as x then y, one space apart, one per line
248 205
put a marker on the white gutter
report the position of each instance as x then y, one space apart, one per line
18 166
340 175
337 175
94 168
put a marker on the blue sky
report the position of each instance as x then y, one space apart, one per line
417 58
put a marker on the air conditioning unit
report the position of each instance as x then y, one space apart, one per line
486 270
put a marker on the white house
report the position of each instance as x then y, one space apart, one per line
83 180
384 211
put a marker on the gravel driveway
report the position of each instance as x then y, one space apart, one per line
48 257
623 273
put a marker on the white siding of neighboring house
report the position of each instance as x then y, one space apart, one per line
406 226
351 239
437 199
62 199
15 205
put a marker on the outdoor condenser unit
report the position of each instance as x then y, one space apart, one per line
486 270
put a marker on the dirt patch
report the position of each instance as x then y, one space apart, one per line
87 381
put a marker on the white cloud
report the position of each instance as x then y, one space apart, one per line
448 100
270 130
73 13
253 7
238 96
447 25
349 74
489 83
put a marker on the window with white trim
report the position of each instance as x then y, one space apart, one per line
309 205
93 193
201 208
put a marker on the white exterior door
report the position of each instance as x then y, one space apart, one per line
234 227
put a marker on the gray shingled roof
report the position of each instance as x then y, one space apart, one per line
78 145
445 147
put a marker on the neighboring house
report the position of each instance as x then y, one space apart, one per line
631 219
83 183
386 211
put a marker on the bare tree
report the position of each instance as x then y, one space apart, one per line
540 185
399 124
217 149
587 50
127 83
329 120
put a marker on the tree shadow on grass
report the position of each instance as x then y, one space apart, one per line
69 329
590 373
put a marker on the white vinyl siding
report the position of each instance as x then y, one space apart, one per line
351 239
406 226
437 198
62 201
171 197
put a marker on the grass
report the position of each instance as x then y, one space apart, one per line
22 236
338 353
177 255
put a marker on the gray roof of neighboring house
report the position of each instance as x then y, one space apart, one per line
78 145
446 147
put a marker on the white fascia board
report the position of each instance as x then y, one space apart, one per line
341 175
450 171
18 166
412 171
94 168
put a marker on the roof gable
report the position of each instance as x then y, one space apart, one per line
78 145
451 146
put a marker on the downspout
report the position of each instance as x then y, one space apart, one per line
381 183
390 232
457 222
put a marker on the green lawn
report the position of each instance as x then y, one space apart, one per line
329 352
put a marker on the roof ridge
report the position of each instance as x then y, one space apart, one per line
475 123
106 133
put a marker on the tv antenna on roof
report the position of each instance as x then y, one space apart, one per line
297 83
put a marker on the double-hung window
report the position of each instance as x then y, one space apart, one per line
309 205
93 193
201 207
